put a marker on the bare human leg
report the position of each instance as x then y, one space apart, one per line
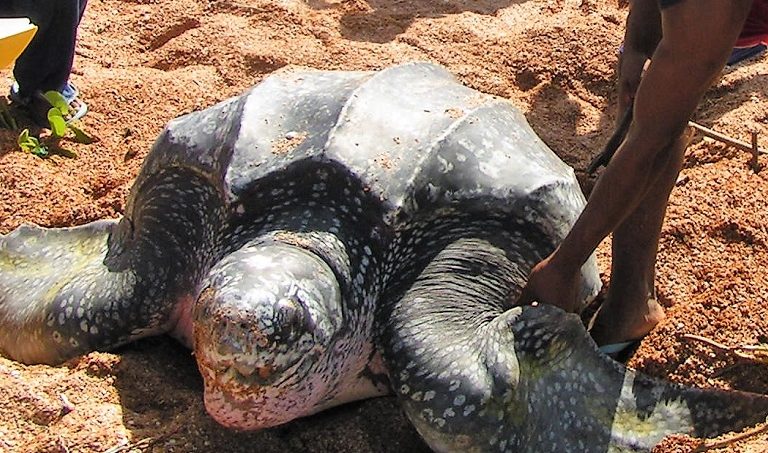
630 310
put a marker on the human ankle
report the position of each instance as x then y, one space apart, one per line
613 324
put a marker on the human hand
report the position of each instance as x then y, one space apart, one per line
631 65
548 284
642 35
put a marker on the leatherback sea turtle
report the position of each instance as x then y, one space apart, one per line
295 235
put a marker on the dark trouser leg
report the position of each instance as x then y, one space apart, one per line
47 61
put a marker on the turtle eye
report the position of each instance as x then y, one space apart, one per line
289 317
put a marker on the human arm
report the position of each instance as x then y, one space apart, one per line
697 39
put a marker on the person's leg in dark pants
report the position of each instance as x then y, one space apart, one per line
47 62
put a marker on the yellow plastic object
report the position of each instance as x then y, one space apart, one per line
15 35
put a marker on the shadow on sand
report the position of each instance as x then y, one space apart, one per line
161 394
381 21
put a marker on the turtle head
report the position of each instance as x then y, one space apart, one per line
262 327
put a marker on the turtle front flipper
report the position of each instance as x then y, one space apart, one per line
69 291
474 377
57 297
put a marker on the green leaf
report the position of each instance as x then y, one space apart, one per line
40 151
23 137
57 122
31 144
80 136
57 101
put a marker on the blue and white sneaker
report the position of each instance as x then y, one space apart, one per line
70 93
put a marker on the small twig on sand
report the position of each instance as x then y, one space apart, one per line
744 146
733 439
753 353
602 159
755 153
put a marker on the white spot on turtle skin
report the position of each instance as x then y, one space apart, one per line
57 337
445 165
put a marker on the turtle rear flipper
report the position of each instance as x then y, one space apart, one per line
473 377
565 377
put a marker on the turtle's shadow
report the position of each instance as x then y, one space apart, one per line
161 394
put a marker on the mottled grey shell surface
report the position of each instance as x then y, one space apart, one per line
411 138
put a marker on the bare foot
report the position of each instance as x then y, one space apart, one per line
618 322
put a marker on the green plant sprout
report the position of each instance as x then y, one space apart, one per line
31 144
57 118
58 124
